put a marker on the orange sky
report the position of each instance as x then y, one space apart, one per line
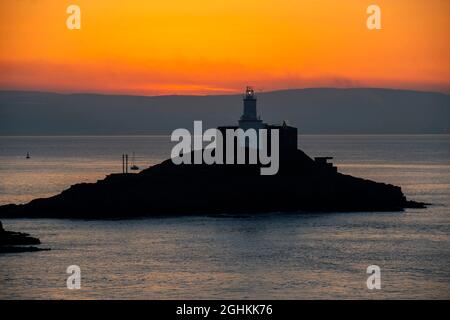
219 46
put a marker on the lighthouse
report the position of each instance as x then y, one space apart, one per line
250 119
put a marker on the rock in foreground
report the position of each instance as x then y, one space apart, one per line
13 242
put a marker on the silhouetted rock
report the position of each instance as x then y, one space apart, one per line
15 241
301 184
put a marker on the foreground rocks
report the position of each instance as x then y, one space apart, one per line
11 242
301 185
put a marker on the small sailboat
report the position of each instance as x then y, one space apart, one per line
28 156
133 164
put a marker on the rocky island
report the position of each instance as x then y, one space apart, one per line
302 184
166 189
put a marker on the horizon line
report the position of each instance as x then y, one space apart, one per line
222 94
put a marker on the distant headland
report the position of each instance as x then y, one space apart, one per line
302 184
313 111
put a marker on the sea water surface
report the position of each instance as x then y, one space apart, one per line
269 256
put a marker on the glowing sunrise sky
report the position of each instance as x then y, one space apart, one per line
218 46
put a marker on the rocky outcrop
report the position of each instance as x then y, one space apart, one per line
11 241
167 189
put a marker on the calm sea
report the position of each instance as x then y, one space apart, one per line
291 256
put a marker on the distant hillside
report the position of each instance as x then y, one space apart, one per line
311 110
